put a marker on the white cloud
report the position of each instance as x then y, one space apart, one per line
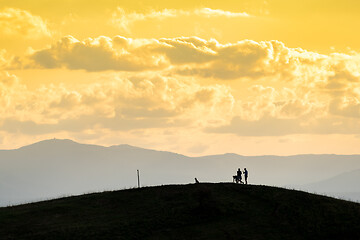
117 103
101 54
270 84
189 56
124 20
18 22
208 12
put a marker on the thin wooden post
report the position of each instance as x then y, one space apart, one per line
138 177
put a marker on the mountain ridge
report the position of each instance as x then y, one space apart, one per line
340 181
73 142
52 168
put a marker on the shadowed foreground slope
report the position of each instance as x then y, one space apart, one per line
196 211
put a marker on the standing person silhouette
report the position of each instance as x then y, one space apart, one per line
246 174
239 175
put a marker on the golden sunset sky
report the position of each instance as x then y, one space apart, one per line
193 77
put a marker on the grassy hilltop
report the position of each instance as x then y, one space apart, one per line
195 211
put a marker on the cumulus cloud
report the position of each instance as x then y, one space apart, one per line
18 22
11 93
119 103
185 55
282 111
100 54
189 56
346 106
124 20
270 84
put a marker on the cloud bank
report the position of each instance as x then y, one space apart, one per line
247 88
118 103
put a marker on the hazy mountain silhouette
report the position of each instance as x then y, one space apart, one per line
345 185
53 168
194 211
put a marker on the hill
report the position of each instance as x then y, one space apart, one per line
195 211
55 167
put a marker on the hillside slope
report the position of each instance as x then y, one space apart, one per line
196 211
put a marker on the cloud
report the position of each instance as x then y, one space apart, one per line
189 81
99 54
280 111
117 104
208 12
18 22
242 59
7 79
346 106
185 55
11 93
3 59
124 20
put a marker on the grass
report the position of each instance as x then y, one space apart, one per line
195 211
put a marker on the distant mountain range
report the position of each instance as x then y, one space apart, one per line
54 168
345 185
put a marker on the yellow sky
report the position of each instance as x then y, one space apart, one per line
193 77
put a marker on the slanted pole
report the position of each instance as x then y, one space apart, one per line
138 177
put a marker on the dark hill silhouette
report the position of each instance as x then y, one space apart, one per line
196 211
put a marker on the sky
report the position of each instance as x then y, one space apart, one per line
251 77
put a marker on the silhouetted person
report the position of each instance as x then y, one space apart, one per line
239 176
246 174
196 181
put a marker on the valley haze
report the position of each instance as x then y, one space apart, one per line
54 168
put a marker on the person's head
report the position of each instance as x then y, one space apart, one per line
238 169
245 169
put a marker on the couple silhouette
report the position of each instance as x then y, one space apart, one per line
238 177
